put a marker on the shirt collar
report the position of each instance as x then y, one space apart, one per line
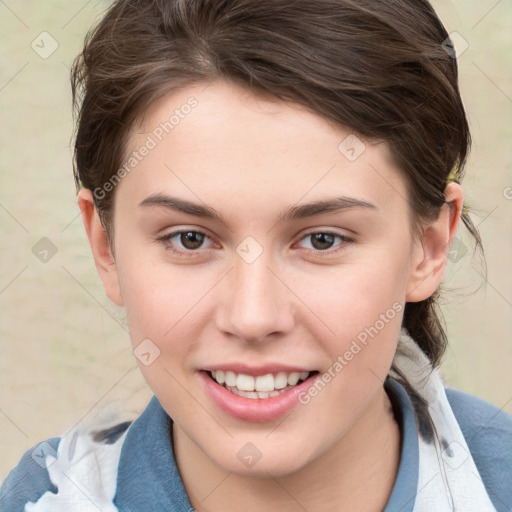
405 489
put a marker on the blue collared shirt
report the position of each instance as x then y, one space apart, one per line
148 478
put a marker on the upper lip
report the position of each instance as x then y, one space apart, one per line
255 371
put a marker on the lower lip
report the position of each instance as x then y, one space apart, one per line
255 409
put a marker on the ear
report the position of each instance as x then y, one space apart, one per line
100 247
431 252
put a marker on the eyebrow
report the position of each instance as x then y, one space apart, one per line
291 213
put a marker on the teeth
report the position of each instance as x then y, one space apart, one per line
245 382
230 379
264 383
293 378
263 386
246 394
281 380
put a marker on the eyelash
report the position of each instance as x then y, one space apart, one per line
191 253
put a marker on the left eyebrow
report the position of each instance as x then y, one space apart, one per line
321 207
290 213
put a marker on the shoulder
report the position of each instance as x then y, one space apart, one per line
482 423
29 480
47 473
488 433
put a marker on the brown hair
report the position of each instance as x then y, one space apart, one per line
377 66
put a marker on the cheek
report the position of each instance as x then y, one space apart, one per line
358 310
157 296
350 298
162 314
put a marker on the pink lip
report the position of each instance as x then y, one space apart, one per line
255 371
259 409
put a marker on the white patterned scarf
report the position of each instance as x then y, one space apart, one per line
85 470
448 477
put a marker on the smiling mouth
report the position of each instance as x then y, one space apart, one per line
261 387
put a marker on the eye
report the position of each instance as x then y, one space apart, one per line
186 240
322 241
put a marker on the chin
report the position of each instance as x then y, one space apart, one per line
269 461
275 468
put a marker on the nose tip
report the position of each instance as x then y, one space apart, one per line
255 305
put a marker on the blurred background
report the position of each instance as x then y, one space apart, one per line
64 347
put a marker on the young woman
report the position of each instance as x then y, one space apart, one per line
270 189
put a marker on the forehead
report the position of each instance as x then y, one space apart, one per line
207 140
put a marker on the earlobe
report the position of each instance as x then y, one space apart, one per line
102 253
431 252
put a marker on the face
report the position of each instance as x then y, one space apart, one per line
251 247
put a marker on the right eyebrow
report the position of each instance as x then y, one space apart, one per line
181 205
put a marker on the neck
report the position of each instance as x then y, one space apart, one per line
358 473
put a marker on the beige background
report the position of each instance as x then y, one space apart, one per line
64 347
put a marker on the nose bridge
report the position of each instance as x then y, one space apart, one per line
255 302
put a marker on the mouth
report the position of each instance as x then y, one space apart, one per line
259 387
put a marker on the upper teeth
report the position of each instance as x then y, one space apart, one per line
268 382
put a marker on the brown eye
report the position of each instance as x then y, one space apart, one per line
185 241
325 242
322 241
191 239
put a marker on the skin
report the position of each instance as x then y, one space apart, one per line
249 158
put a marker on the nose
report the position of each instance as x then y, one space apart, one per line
255 303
